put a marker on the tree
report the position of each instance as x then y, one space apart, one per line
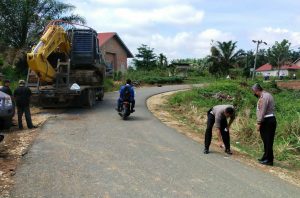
279 54
22 21
162 60
246 60
223 57
295 55
145 58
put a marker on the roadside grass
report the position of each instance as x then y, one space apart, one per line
156 76
197 101
111 85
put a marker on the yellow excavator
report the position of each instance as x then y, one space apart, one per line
66 66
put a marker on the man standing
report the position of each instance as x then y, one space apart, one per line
219 114
266 122
6 89
22 96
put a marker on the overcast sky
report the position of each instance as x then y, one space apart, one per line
186 28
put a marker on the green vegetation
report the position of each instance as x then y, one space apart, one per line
22 23
287 140
156 76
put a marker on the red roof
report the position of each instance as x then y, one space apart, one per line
265 67
106 36
269 67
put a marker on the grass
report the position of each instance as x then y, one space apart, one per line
287 140
157 76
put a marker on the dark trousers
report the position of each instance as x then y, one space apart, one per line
267 133
120 103
26 110
208 133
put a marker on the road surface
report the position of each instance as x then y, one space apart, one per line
93 153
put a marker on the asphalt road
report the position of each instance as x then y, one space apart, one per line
93 153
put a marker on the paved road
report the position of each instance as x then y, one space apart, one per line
93 153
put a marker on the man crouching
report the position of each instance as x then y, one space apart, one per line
219 114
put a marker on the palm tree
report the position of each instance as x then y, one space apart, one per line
22 21
223 57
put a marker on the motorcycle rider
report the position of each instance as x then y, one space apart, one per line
126 94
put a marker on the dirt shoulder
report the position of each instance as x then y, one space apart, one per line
289 84
17 143
175 118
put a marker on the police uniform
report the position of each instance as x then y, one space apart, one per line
267 121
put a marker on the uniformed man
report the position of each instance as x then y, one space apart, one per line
266 122
22 97
6 89
219 114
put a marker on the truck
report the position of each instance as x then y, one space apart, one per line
66 67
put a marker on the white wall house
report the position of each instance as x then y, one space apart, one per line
285 70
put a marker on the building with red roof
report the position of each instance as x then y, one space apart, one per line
114 51
269 70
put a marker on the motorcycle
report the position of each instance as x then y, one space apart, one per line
125 110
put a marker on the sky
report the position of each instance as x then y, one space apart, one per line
188 28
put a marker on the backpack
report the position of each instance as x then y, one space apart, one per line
127 93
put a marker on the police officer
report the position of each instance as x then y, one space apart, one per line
266 122
6 89
218 115
22 96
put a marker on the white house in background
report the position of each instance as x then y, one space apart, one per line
285 70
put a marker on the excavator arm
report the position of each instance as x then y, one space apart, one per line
55 39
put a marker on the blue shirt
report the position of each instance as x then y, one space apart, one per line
122 90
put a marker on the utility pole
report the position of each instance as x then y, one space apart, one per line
257 46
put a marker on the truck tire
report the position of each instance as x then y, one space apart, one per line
100 95
90 98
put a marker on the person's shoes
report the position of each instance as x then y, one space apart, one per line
260 159
228 151
33 127
205 151
266 162
132 110
1 138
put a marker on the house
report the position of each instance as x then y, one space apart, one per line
179 69
114 51
269 70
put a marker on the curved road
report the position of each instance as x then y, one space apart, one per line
93 153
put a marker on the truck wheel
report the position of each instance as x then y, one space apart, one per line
100 96
90 98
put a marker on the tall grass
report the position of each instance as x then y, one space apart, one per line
287 140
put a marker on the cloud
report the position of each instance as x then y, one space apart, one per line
182 44
271 35
126 18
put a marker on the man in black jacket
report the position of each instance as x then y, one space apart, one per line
22 97
6 89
